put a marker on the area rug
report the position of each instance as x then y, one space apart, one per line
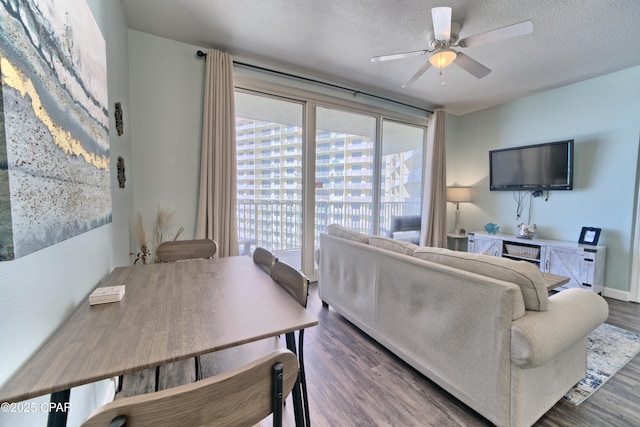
609 348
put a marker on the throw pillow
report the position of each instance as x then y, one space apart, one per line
340 231
522 273
399 246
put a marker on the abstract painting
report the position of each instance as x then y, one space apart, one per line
54 144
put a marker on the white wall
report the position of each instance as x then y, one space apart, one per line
167 83
601 115
39 291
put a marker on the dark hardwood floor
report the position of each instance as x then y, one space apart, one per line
354 381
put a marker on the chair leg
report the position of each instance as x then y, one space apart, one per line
277 395
298 411
303 379
157 378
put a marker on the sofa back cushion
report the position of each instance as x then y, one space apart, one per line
521 273
399 246
340 231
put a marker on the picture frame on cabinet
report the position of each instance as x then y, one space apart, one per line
589 236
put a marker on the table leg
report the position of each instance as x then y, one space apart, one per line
297 396
58 416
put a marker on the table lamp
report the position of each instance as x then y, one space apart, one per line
458 195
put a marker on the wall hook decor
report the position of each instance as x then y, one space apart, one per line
119 124
121 177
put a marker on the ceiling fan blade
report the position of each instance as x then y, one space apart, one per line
441 17
514 30
417 75
471 66
398 56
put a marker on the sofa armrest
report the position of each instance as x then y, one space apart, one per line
539 336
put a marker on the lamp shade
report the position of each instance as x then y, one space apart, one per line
443 58
458 194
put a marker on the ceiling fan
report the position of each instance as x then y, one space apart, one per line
445 38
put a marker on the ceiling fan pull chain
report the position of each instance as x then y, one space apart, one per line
443 83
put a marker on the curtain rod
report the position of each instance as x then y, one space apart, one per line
202 54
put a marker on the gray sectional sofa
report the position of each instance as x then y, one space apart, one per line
481 327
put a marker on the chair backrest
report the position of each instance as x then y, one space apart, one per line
176 250
243 396
291 280
264 259
405 223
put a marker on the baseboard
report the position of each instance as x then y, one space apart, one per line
313 277
616 294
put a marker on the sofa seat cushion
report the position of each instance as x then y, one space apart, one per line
402 247
343 232
522 273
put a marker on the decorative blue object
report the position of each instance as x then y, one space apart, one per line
492 228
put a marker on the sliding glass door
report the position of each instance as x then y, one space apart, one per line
364 170
269 144
345 152
401 172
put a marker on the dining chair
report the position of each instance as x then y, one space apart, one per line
296 284
244 396
265 259
291 280
178 250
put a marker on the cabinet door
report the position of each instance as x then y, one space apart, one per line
589 260
483 245
570 263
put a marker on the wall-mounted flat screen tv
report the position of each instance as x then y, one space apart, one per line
537 167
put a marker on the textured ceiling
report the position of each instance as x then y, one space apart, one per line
333 41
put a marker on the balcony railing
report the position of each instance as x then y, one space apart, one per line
277 225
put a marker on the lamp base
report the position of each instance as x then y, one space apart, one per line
456 227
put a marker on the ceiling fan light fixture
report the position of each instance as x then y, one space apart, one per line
443 58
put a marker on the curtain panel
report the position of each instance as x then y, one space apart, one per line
216 217
434 209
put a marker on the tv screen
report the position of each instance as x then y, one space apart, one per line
532 168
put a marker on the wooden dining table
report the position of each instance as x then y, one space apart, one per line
169 312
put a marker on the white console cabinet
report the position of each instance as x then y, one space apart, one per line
582 264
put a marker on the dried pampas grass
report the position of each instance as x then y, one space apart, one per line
141 238
141 235
164 217
162 231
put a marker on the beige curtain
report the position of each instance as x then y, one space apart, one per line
434 209
216 217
